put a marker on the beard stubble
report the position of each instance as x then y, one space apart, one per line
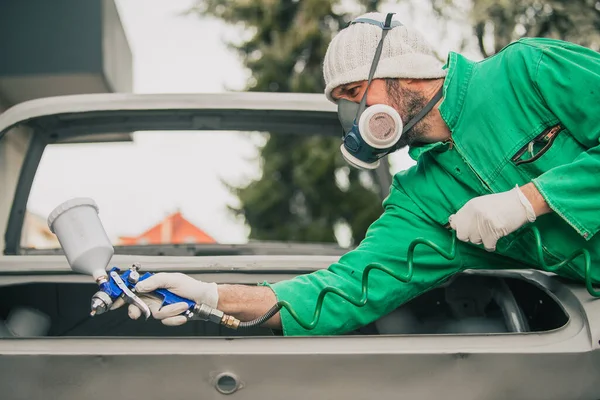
408 103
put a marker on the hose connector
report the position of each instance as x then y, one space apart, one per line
205 313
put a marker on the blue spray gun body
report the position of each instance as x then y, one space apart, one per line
122 285
114 288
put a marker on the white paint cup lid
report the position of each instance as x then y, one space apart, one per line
67 205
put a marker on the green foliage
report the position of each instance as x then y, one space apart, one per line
496 23
297 197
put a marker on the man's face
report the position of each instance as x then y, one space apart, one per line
400 95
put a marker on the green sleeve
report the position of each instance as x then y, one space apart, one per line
568 80
386 243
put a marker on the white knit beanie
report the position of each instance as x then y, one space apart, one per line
405 54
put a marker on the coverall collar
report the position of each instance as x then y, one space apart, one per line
455 89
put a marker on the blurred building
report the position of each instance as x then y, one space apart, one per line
52 48
62 47
174 229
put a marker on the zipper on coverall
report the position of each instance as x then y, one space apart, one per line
484 183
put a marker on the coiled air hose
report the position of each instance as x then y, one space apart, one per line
449 255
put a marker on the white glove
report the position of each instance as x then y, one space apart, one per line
181 285
486 219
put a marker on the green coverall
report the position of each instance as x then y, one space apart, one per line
539 91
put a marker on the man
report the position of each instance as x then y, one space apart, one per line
500 145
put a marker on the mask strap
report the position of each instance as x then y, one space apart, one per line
386 27
425 110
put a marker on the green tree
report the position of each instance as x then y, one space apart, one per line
496 23
297 197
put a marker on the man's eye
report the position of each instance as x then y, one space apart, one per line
352 92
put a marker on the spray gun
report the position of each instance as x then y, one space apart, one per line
88 250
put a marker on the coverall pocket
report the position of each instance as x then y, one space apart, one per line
538 146
551 148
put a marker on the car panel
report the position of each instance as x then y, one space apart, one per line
352 367
271 375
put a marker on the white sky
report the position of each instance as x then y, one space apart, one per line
137 184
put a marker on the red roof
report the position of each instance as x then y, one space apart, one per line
174 229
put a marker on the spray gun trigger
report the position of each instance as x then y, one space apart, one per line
129 296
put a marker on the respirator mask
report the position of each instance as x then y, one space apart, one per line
373 132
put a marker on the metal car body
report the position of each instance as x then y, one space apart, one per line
506 334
